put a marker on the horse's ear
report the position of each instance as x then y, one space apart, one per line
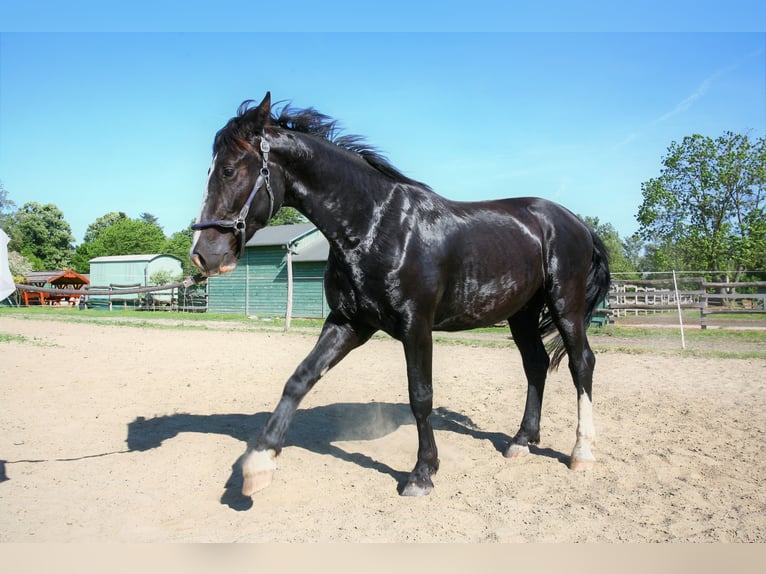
261 115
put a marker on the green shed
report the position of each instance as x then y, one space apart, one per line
282 268
131 271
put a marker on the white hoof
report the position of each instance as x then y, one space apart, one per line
258 471
516 451
582 458
580 464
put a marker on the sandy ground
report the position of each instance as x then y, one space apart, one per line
124 434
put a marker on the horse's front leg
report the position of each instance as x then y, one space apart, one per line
337 339
418 350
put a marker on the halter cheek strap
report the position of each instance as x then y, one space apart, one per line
239 224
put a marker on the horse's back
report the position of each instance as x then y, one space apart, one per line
561 234
520 226
501 256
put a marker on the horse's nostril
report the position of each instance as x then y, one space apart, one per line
198 260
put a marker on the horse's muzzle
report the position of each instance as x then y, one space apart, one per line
210 269
214 253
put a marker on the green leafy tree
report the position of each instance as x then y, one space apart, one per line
618 260
7 209
127 237
86 250
287 216
83 253
662 256
149 218
101 223
81 257
18 264
164 277
634 248
43 236
179 244
707 205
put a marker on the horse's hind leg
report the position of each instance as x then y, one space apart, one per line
335 342
570 322
526 335
582 373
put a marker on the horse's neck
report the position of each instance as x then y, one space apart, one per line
335 193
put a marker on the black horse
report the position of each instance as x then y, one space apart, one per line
406 261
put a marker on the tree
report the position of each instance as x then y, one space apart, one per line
7 208
149 218
179 244
127 237
707 204
287 216
83 253
101 223
618 259
86 250
18 264
662 256
164 277
633 246
41 234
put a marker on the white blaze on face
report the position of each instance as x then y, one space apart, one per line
195 237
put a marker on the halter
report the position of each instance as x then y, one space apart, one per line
239 225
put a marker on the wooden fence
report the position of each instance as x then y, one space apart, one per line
636 297
188 295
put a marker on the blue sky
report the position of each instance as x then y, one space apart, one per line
99 115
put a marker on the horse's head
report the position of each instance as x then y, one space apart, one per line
244 190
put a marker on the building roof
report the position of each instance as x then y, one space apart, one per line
39 276
58 277
317 250
126 258
279 234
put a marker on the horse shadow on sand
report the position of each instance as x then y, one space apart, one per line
314 429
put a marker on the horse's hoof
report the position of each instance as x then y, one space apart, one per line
415 489
516 451
258 471
252 483
581 464
582 457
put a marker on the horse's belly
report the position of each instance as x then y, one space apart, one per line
472 304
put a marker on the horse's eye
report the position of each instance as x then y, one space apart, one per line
229 171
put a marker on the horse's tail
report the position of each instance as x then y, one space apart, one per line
596 291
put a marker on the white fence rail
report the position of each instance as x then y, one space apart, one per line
648 296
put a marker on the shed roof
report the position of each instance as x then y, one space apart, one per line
127 258
279 234
318 250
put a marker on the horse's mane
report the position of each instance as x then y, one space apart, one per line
312 122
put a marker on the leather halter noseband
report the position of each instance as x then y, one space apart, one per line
239 225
